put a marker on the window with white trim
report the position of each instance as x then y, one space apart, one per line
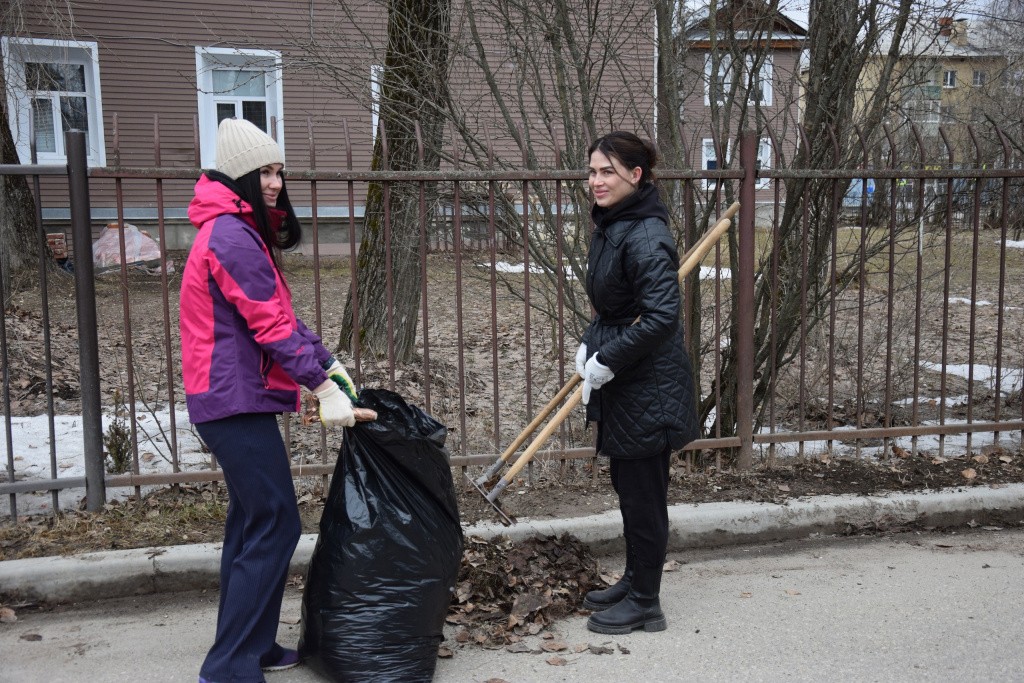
756 78
53 86
241 84
924 111
709 160
949 78
980 78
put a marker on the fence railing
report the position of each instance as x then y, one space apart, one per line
852 311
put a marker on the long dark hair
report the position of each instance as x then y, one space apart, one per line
248 188
630 151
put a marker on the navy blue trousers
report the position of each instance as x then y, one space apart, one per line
642 486
260 534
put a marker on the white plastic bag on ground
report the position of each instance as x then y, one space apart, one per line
140 250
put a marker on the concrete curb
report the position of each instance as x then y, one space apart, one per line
110 574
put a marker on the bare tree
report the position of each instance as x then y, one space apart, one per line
19 238
844 41
413 90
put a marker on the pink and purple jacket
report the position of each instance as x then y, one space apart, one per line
243 349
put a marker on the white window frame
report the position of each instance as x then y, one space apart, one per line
209 59
765 78
980 78
764 157
949 78
708 155
19 51
725 64
924 112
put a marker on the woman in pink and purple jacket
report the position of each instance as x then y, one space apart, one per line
244 355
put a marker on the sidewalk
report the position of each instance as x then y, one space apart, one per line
114 574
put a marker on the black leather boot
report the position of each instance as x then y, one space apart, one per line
603 599
631 613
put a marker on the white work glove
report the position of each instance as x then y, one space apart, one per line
581 359
336 371
595 376
335 406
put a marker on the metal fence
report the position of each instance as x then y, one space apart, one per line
907 334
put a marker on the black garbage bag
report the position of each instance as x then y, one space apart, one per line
385 564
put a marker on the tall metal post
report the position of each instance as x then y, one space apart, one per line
744 279
85 301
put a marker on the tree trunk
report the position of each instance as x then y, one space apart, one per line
413 86
18 235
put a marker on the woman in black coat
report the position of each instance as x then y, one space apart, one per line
638 383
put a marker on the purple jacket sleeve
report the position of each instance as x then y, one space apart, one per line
319 350
246 277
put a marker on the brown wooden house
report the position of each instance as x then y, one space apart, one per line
745 67
149 82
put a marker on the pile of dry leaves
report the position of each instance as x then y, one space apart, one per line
508 590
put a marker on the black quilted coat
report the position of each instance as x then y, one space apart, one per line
632 282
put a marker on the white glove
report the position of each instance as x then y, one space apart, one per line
581 359
336 371
335 406
595 376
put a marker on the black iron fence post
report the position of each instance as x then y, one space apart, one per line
85 301
744 278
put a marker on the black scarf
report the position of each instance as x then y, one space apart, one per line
644 202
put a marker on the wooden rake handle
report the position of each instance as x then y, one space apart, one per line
545 434
690 261
541 416
698 251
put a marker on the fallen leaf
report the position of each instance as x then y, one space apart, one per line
783 487
554 646
969 473
623 650
7 615
600 650
519 648
31 637
983 459
1005 458
746 595
556 661
444 652
671 566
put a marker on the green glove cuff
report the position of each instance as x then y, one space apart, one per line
346 385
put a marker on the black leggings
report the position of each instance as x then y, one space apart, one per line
642 486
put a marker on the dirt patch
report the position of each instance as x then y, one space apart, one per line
462 396
195 513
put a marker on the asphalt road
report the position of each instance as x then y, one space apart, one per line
908 607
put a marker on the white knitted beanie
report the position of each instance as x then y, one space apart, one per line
243 147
